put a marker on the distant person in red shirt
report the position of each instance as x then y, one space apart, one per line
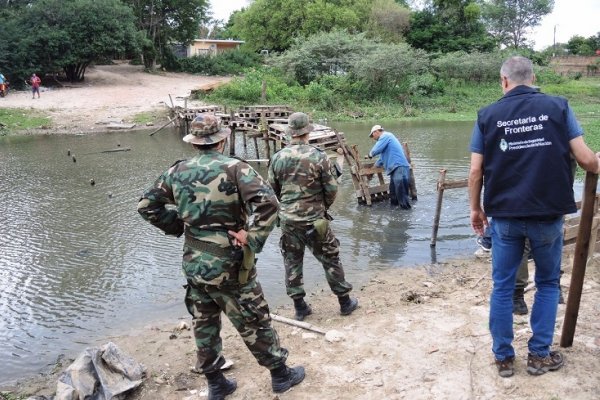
35 85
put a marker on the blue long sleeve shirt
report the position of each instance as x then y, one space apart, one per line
390 151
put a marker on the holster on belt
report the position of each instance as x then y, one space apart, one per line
320 227
248 262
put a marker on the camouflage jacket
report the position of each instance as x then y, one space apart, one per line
211 194
305 182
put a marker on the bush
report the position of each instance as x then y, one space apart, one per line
546 75
468 67
388 70
232 62
247 90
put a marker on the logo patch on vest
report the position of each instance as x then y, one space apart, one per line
503 145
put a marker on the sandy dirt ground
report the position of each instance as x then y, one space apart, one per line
109 93
419 334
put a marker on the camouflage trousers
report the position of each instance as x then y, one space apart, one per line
248 311
294 239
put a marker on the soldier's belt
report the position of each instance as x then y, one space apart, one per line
207 247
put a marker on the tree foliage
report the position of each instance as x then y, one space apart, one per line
449 25
510 20
325 53
389 21
467 67
330 61
275 24
166 22
68 35
389 69
578 45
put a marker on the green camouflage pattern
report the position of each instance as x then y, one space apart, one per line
294 239
298 125
206 129
211 194
247 310
305 182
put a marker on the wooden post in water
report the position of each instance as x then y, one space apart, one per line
232 136
263 92
438 207
412 186
582 246
265 132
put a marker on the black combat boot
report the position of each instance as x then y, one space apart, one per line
219 386
519 305
302 309
347 304
561 299
283 378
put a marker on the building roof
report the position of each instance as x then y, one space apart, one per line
219 41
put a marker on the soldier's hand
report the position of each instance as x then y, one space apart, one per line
240 238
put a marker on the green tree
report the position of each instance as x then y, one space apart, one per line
578 45
325 53
449 25
389 69
275 24
166 22
467 67
389 21
510 20
68 35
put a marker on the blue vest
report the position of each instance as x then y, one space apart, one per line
527 167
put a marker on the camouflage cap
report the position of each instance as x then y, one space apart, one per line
298 125
206 129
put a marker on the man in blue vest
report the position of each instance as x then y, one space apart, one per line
520 151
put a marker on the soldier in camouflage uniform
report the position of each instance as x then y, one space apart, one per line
212 195
305 182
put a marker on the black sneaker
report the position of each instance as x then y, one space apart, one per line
506 367
540 365
484 244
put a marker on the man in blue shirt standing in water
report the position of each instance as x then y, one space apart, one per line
394 161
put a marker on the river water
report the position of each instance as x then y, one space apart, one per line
79 264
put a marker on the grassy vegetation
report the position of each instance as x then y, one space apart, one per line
11 396
12 119
148 116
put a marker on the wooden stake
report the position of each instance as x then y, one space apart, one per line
162 127
438 207
299 324
412 186
580 257
263 92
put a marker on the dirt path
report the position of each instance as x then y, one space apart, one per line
109 93
418 334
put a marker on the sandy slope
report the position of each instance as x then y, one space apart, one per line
109 93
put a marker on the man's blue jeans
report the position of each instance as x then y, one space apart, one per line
546 238
399 184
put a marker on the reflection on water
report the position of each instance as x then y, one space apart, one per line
78 263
